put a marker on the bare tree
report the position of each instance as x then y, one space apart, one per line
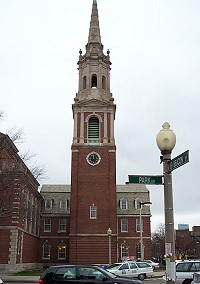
158 242
16 135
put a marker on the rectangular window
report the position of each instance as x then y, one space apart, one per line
62 251
124 225
138 227
47 225
62 225
93 212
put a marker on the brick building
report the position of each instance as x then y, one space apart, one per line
20 204
93 218
188 243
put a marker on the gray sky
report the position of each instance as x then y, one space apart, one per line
155 51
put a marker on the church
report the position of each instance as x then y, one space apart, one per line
92 220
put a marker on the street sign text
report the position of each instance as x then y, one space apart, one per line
145 179
179 161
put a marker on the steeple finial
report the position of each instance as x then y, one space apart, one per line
94 32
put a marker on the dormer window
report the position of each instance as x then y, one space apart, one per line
94 81
48 203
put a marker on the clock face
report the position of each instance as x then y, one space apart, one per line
93 158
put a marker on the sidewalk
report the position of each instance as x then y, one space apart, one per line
19 279
34 279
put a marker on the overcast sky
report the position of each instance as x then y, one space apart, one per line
155 54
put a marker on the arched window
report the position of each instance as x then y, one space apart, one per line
94 81
138 251
46 250
84 82
62 251
93 129
104 82
124 250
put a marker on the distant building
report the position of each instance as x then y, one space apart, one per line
183 226
188 243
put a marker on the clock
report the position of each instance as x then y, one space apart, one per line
93 158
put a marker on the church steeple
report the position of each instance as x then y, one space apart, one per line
94 66
94 94
94 32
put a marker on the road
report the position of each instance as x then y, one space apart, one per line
156 280
146 281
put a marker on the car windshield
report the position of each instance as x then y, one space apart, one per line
114 266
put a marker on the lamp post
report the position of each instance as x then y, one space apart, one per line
166 140
141 230
109 233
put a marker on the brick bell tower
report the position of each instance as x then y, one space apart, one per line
93 176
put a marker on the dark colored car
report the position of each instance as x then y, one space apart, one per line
81 274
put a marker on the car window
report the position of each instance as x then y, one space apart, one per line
90 273
65 273
133 265
143 264
183 267
124 266
195 267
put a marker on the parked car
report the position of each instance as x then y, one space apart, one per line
1 281
155 265
76 274
140 270
185 270
196 278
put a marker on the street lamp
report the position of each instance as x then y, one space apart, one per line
109 233
166 140
141 230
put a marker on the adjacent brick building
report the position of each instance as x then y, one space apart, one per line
20 204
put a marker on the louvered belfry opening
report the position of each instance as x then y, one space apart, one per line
93 130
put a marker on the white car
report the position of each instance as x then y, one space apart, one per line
132 269
196 278
155 265
185 270
1 281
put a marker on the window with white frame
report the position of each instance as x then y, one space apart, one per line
137 202
47 225
139 226
124 225
124 250
48 203
123 203
93 212
62 225
46 250
62 251
63 203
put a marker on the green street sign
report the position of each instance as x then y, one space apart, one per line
179 161
145 179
